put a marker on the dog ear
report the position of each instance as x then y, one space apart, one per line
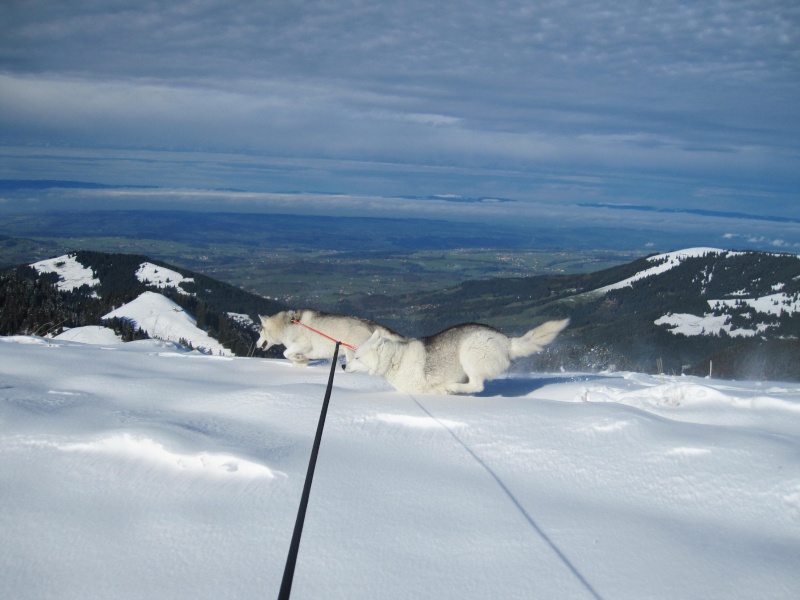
376 339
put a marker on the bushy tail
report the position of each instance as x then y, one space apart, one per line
536 339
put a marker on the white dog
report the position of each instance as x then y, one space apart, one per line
303 344
455 361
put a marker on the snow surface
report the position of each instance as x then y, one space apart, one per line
141 470
666 262
161 277
772 304
164 319
90 334
708 324
71 273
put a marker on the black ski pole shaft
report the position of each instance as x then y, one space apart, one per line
294 547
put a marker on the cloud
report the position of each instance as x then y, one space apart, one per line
509 93
764 241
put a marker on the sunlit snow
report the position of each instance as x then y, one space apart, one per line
707 324
71 273
665 262
161 277
142 470
162 318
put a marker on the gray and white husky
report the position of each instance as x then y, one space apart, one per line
303 345
457 360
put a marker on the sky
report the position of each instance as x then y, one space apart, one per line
566 102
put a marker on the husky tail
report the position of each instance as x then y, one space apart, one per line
536 339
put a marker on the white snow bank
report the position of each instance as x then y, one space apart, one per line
90 334
126 475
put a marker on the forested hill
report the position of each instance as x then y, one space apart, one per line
703 310
78 289
736 314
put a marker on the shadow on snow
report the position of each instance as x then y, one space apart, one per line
514 387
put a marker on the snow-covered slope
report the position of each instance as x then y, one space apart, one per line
163 319
161 277
71 273
661 264
90 334
144 471
721 310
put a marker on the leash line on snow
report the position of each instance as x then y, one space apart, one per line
325 335
567 563
294 547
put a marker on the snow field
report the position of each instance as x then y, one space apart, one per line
141 470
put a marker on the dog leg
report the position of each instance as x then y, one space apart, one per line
298 354
473 386
482 359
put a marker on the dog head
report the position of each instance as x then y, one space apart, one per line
271 330
367 356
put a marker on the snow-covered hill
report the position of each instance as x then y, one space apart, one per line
760 307
661 264
163 319
93 287
141 470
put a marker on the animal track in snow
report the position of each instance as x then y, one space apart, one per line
151 451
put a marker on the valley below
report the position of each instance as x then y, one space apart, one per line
309 260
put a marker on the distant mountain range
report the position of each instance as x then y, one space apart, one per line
700 311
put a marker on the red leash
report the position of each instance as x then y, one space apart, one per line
296 322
